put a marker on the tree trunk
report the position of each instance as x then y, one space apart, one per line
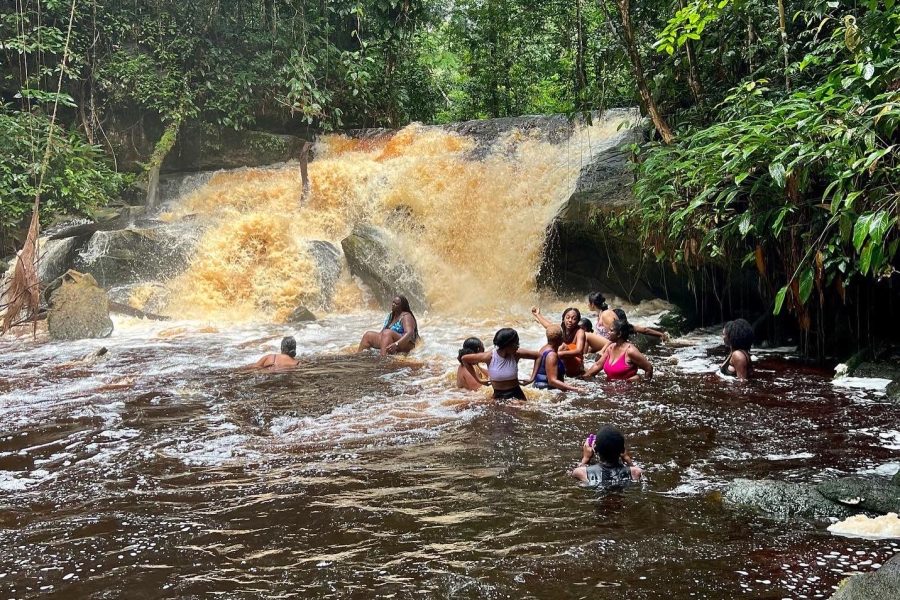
634 56
782 26
160 151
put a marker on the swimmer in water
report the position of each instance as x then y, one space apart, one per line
399 332
605 316
470 377
549 371
287 357
738 336
604 460
573 346
503 364
620 360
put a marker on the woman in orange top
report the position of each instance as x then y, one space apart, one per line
571 351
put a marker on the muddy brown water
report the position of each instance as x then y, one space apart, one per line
163 472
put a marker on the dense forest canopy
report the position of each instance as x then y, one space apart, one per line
775 122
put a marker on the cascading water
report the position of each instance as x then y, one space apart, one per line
471 224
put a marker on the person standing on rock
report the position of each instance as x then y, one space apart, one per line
398 334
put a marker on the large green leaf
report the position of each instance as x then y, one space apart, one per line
779 300
776 170
806 284
860 231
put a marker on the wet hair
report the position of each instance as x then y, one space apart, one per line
739 334
505 337
404 304
597 299
623 329
472 345
554 332
609 445
586 325
562 321
620 314
289 346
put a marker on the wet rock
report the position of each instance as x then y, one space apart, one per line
208 147
57 256
301 314
883 584
876 495
131 255
328 268
372 256
785 500
79 308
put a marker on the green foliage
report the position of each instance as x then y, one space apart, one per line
802 184
77 179
688 24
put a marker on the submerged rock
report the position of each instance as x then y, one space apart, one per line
876 495
883 584
301 314
79 308
373 258
785 500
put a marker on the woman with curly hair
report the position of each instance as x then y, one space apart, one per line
738 336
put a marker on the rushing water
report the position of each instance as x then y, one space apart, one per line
162 469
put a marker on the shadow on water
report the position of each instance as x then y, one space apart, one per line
342 479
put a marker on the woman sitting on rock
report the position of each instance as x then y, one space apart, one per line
399 332
573 346
287 357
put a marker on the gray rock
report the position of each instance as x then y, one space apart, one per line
784 500
79 308
56 257
372 256
328 268
301 314
131 255
876 495
883 584
208 147
896 479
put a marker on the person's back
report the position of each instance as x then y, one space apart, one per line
287 357
603 461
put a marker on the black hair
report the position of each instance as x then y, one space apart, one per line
562 320
404 304
506 336
620 314
289 346
609 445
470 346
597 299
623 329
587 325
739 334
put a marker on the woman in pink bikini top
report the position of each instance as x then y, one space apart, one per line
620 360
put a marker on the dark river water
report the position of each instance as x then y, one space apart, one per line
163 471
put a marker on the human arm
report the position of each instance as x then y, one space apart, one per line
651 332
476 357
534 372
640 361
578 350
536 313
597 366
587 451
551 364
595 343
527 354
741 363
266 361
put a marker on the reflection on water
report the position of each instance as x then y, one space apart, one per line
161 470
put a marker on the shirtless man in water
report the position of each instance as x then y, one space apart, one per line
285 359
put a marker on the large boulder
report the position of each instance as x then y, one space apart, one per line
876 495
131 255
328 268
204 147
883 584
372 256
784 500
79 308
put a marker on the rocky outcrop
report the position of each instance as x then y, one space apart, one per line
328 268
883 584
785 500
875 495
131 255
372 257
208 147
79 308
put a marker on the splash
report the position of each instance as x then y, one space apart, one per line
472 224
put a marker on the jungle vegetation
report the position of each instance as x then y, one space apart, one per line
775 123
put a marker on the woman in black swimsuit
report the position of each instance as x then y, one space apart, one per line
738 336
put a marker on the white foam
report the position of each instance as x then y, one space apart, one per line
864 383
885 526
